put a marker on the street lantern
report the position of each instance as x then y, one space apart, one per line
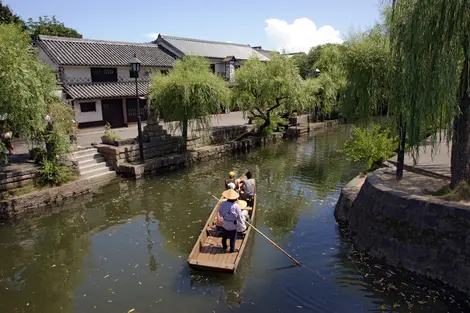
135 66
316 72
134 73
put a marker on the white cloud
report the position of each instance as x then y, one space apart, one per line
152 35
299 36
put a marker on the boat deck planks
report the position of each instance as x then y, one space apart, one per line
208 254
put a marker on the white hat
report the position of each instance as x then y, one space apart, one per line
231 186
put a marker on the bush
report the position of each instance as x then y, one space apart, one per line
372 145
277 123
109 134
37 154
52 174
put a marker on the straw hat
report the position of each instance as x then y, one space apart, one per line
242 204
230 194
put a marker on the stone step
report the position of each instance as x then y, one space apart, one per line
90 156
90 161
84 152
95 171
102 176
91 166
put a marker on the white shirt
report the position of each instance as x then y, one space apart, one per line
232 215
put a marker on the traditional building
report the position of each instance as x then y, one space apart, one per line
95 76
223 57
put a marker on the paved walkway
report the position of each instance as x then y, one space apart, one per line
434 160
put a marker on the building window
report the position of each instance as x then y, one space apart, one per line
87 107
164 72
102 75
212 68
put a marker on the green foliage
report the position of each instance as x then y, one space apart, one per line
27 86
38 154
321 93
367 64
50 27
372 145
275 124
189 92
459 193
57 133
52 174
109 133
8 17
263 89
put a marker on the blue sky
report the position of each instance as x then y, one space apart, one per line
271 24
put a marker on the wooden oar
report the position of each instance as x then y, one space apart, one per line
274 244
270 241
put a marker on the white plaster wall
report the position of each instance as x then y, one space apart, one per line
77 71
83 117
45 58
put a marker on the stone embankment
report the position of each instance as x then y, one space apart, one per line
401 223
162 154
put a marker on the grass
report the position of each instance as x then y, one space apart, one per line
459 193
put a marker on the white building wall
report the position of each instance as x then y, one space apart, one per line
45 58
84 117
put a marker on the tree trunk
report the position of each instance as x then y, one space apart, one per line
401 151
184 135
266 123
459 162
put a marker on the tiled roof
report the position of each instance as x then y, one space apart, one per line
212 49
266 53
85 52
105 90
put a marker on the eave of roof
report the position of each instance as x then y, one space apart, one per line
105 90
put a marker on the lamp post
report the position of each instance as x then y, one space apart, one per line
134 73
316 73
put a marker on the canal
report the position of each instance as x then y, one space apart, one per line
124 248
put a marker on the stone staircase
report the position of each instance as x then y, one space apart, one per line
92 165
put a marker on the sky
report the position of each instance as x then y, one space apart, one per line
283 25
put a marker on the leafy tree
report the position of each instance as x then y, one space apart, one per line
26 85
263 89
50 27
189 92
367 65
8 17
430 43
321 94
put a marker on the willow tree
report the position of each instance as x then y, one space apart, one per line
320 94
430 44
366 64
266 88
189 93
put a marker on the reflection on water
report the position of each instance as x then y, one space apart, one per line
126 247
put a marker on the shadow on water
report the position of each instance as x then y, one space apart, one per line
125 247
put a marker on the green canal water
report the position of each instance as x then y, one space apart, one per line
125 247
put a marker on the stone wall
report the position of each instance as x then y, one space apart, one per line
15 176
154 166
27 204
219 135
422 234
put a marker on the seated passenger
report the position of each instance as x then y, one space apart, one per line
248 188
241 226
231 179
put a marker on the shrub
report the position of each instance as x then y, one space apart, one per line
52 174
38 154
371 145
276 123
109 134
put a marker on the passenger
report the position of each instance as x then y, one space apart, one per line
248 189
241 227
231 179
231 215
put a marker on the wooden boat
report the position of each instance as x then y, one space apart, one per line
207 253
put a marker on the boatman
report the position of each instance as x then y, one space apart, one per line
231 215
